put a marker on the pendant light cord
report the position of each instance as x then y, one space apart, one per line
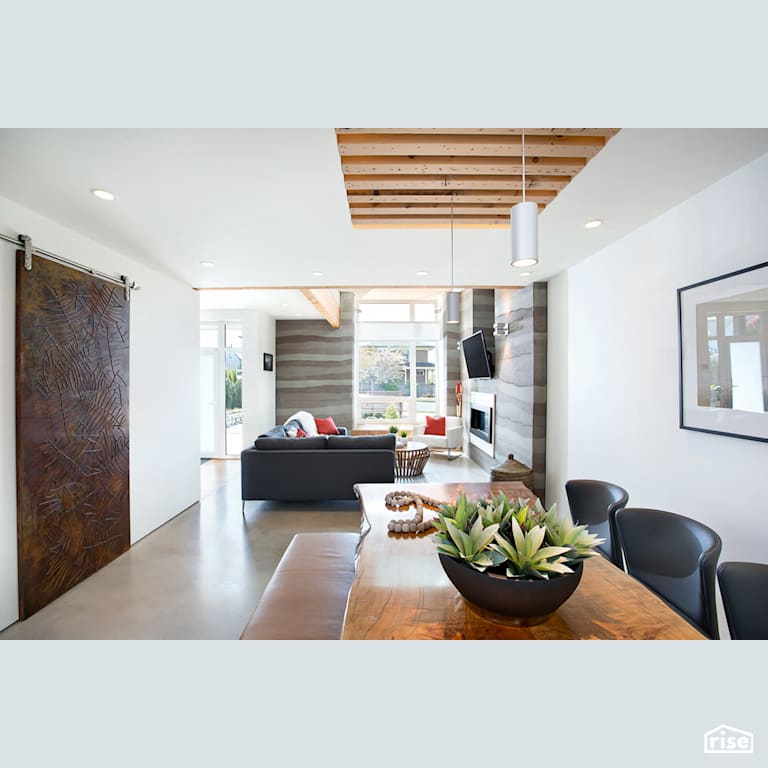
451 241
523 147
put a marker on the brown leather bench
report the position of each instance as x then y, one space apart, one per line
307 594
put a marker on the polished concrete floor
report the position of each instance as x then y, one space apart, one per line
201 575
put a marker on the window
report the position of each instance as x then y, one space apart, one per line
385 313
397 312
233 388
424 313
384 382
398 363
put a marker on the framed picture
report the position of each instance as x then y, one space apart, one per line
723 336
269 362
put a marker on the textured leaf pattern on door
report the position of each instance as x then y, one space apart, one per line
72 341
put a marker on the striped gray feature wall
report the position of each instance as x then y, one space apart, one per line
520 380
477 306
452 367
315 366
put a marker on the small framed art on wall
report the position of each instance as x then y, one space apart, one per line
723 334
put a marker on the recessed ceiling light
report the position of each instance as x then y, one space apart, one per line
103 194
593 223
317 274
207 264
525 274
422 273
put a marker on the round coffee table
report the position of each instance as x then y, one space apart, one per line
411 459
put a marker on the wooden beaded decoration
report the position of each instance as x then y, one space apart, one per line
402 500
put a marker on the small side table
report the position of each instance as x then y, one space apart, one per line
411 459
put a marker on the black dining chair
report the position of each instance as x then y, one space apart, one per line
594 503
674 556
744 588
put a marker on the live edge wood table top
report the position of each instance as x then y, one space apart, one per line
400 591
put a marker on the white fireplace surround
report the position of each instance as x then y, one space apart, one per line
485 401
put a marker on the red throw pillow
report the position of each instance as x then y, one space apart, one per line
435 425
301 433
326 426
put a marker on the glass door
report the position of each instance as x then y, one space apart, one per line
211 434
221 389
233 388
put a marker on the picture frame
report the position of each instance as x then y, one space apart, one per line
723 354
269 362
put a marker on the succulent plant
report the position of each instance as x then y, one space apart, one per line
524 539
472 547
561 532
525 555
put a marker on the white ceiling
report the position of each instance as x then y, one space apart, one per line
282 305
268 206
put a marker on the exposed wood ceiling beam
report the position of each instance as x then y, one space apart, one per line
483 182
434 221
443 210
327 303
507 198
557 166
411 145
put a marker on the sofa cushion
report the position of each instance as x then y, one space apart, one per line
290 444
362 442
326 426
435 425
307 421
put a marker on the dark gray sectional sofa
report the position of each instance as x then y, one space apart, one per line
314 468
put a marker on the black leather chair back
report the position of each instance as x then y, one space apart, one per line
676 557
594 503
744 588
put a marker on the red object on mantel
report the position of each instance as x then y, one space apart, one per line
435 425
326 426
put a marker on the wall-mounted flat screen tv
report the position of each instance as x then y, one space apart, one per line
477 356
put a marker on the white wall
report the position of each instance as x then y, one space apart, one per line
619 413
164 383
258 384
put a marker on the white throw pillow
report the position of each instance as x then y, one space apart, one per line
307 421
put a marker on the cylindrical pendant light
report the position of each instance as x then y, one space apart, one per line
452 307
452 299
524 227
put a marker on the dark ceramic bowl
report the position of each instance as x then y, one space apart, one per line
511 601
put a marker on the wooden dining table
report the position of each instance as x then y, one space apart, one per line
400 591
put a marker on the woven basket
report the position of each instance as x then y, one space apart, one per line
512 470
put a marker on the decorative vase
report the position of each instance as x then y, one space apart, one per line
520 602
